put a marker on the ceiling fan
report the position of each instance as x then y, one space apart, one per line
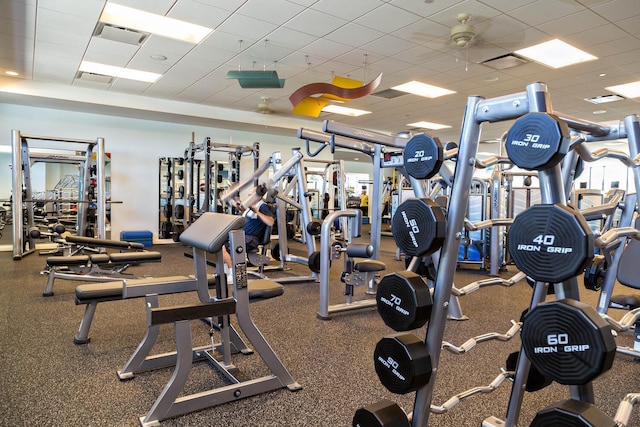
463 34
264 106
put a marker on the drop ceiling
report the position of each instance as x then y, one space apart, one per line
308 41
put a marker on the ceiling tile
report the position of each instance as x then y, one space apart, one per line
387 18
348 10
274 11
315 23
354 35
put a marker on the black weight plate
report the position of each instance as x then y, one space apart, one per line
550 243
423 156
419 227
384 413
402 363
536 380
179 211
572 413
537 141
404 301
594 273
568 341
314 262
314 227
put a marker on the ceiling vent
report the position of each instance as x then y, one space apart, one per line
503 62
603 99
389 93
93 77
120 34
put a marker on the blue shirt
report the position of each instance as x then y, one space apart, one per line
255 227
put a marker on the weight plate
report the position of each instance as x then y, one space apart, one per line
536 380
314 227
537 141
419 227
402 363
404 301
594 273
572 413
550 243
568 341
381 414
314 262
423 156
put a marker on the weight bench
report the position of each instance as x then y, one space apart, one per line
93 244
207 235
101 267
91 294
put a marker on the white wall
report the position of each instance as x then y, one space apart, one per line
135 146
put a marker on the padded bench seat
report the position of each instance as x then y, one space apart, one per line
370 265
115 258
111 291
91 294
67 260
94 242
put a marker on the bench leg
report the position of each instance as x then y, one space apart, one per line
82 337
162 407
137 359
48 290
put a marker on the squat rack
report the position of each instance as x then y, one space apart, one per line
22 195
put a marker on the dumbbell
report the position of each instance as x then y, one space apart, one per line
384 413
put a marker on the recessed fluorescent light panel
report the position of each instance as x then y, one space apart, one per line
135 19
428 125
422 89
628 90
555 54
345 111
124 73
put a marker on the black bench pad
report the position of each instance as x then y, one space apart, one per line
370 265
92 241
111 291
121 257
67 260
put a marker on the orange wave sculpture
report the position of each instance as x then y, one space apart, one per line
341 89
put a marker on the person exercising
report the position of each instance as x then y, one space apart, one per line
259 216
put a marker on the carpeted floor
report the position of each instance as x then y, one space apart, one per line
47 380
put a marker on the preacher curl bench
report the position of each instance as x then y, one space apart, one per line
207 235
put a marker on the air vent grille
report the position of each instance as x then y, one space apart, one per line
503 62
93 77
389 93
120 34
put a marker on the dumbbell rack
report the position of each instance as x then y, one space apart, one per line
553 191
